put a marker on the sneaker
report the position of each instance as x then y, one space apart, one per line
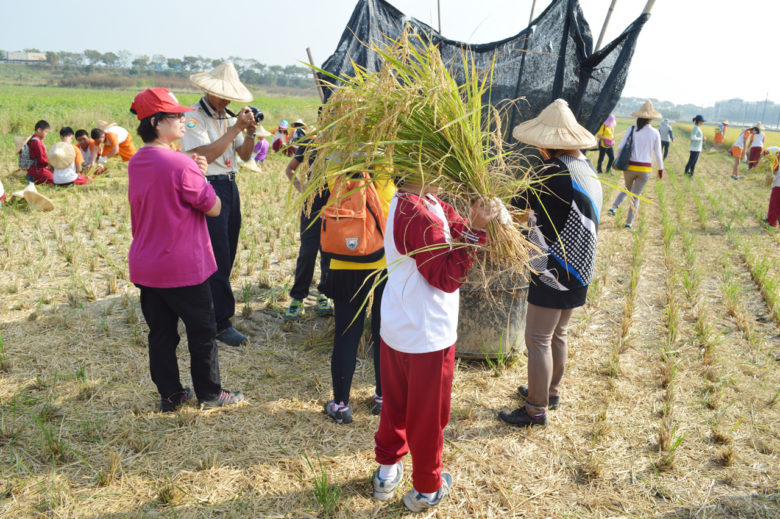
552 401
416 502
341 414
225 398
175 401
376 405
736 177
611 212
324 307
385 488
295 310
628 226
521 418
231 337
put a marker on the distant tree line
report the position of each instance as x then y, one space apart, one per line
93 62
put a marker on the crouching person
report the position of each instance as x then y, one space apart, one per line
430 250
170 257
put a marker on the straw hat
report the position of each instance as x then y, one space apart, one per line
647 111
34 199
759 126
62 155
555 128
725 121
19 142
262 132
298 122
222 82
105 125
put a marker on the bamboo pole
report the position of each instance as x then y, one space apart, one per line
314 73
438 8
604 27
533 8
648 6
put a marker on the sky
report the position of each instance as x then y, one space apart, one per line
690 51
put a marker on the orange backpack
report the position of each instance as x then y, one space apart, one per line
353 223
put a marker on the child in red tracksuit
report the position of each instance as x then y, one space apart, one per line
430 249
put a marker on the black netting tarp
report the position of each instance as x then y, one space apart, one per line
552 58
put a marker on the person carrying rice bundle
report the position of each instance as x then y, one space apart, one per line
433 144
564 221
646 147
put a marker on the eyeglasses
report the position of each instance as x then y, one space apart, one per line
174 116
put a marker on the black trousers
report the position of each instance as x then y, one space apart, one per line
223 231
162 309
665 148
691 165
349 290
610 153
307 252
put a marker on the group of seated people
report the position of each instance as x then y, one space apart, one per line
67 162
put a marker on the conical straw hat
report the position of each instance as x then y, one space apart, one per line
647 112
34 199
19 142
105 125
555 128
262 132
62 155
222 82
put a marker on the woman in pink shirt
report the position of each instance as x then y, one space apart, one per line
170 257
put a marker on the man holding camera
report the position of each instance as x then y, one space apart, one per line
217 133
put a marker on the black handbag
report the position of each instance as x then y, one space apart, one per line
621 163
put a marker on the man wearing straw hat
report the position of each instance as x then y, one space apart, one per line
564 221
217 133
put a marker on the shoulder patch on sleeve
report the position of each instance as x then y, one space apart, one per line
192 124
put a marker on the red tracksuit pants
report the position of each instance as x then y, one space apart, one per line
416 391
774 207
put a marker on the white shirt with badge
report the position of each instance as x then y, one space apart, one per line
202 128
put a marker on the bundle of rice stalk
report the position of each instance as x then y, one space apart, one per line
412 120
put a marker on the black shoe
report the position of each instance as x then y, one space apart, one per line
175 401
552 401
231 337
224 398
376 405
340 416
521 418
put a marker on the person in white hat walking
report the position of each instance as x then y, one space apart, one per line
646 147
217 133
564 220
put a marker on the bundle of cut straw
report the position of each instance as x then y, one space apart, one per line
413 119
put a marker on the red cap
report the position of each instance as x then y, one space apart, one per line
154 100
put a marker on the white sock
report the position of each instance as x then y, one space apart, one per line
427 495
388 472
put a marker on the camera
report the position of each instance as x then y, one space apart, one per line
257 113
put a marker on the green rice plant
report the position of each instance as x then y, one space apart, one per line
667 459
378 121
500 362
327 496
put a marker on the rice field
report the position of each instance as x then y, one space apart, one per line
670 406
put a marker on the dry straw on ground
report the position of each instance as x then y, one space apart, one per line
80 436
